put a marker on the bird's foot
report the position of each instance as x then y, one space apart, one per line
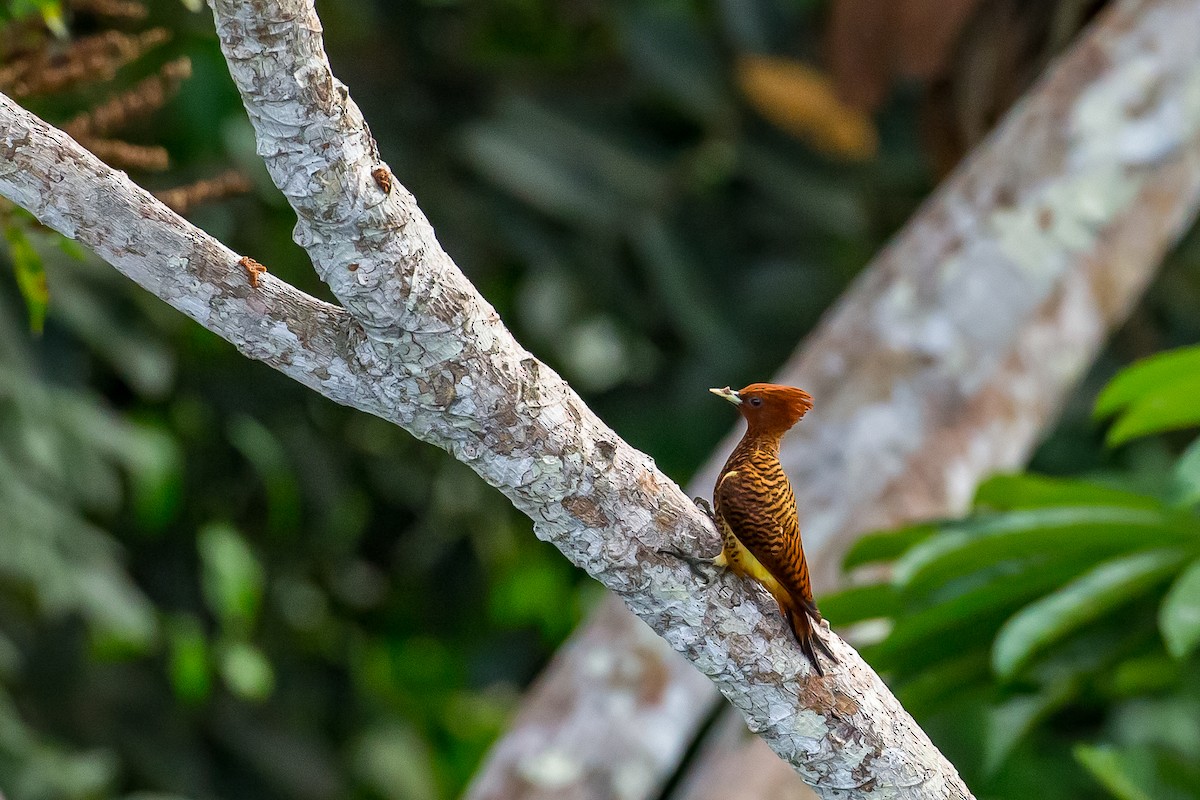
705 569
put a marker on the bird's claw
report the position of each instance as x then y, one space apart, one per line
703 505
703 568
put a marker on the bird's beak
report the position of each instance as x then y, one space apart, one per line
728 394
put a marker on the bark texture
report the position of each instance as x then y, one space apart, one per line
730 764
68 189
952 352
418 346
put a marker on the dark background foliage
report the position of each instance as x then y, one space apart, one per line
215 583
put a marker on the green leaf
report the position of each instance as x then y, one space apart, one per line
395 762
24 8
52 15
246 671
232 578
1167 725
1011 721
1179 615
928 690
886 545
987 541
1145 674
1108 586
71 248
670 52
1094 651
124 621
155 466
1111 771
535 591
970 618
824 202
1025 490
1154 395
188 660
859 603
1146 377
1171 407
669 270
520 167
574 165
30 274
1185 479
260 446
143 362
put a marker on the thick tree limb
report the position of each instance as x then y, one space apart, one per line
940 365
46 172
459 380
730 764
613 697
422 349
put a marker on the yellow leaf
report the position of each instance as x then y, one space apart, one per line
802 101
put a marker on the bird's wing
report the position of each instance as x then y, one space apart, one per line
760 510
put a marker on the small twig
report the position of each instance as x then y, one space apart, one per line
115 9
147 96
91 59
124 155
183 199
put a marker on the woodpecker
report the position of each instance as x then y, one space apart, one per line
755 511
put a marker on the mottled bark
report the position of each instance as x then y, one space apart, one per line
46 172
949 356
418 346
731 764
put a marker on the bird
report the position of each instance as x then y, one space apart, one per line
754 510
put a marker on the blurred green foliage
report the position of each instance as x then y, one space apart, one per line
50 12
1055 630
27 269
215 583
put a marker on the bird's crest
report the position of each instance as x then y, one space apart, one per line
769 407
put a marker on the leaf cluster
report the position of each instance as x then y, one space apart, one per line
1064 613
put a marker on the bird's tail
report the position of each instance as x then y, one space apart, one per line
803 619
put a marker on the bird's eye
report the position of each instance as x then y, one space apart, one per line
756 401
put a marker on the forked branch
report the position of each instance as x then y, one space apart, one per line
417 345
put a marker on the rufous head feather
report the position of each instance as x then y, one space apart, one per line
768 407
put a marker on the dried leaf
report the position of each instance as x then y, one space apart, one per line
803 102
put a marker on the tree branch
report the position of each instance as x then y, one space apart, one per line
46 172
424 350
462 382
941 365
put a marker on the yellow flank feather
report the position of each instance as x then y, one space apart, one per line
742 562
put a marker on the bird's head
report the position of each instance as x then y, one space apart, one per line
768 407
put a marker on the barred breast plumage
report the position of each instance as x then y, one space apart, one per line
755 510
